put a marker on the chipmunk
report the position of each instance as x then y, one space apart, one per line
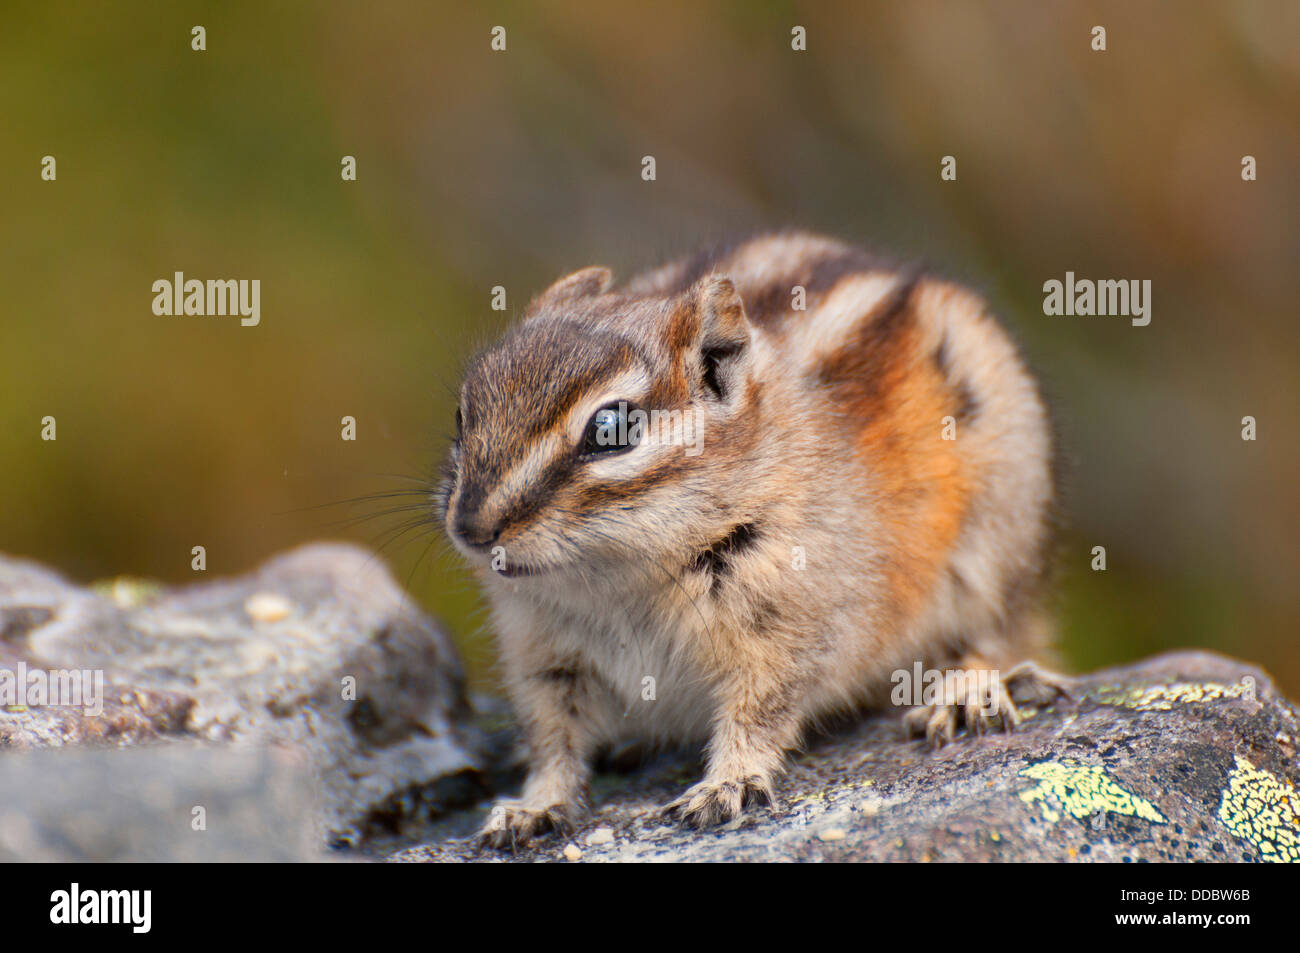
870 488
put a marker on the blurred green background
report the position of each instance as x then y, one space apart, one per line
478 169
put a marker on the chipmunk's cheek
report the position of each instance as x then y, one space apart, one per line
610 473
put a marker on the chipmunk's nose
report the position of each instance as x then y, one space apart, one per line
476 531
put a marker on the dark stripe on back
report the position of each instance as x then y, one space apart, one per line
817 273
857 372
967 405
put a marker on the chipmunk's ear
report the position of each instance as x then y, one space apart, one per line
584 283
722 337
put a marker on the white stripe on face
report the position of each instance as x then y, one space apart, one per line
546 450
631 386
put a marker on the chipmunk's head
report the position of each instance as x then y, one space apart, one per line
604 428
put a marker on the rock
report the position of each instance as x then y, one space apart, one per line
1185 757
319 651
234 696
159 803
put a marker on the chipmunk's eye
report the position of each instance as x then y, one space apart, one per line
610 432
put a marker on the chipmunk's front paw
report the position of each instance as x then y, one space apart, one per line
511 825
716 802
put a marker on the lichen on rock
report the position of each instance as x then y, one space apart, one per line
1261 809
1081 790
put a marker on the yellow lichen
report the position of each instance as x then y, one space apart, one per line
1165 697
1259 808
830 794
1082 790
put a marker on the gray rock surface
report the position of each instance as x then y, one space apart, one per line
319 650
1185 757
230 696
167 803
